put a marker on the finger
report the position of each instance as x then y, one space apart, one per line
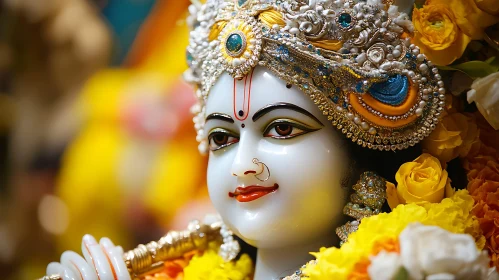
115 256
59 269
120 250
79 266
96 257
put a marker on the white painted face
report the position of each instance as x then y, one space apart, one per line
276 164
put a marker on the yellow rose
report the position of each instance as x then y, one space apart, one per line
456 135
471 19
437 34
419 181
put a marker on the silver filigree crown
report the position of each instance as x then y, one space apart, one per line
353 58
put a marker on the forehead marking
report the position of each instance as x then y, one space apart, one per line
242 112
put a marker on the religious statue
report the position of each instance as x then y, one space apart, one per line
307 109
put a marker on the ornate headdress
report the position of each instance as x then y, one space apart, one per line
353 58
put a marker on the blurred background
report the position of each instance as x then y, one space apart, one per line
95 131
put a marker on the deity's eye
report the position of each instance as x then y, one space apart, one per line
283 129
219 138
286 128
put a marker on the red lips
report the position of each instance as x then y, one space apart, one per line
250 193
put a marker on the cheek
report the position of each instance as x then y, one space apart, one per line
310 173
317 162
219 181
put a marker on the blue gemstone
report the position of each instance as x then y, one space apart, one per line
345 104
189 57
345 51
234 43
324 70
241 2
283 50
360 87
393 91
336 98
345 19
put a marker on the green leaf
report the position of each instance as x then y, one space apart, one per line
494 61
402 274
476 68
490 60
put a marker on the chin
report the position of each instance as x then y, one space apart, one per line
270 234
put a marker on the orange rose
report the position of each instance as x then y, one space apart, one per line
456 135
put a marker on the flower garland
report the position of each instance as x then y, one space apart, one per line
207 265
381 233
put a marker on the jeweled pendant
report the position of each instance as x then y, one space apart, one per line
345 20
235 43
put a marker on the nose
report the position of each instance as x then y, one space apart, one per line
243 164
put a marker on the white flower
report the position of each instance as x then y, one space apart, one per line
434 253
384 266
484 93
493 275
441 276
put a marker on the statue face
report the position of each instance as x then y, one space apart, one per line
276 164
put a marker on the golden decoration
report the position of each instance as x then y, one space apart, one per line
366 201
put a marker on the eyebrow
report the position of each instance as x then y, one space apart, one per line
220 116
282 105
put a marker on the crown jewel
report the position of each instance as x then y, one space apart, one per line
353 58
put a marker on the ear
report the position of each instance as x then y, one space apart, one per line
405 6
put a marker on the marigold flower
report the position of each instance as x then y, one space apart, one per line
452 214
484 188
210 266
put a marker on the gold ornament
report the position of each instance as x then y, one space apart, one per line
366 201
